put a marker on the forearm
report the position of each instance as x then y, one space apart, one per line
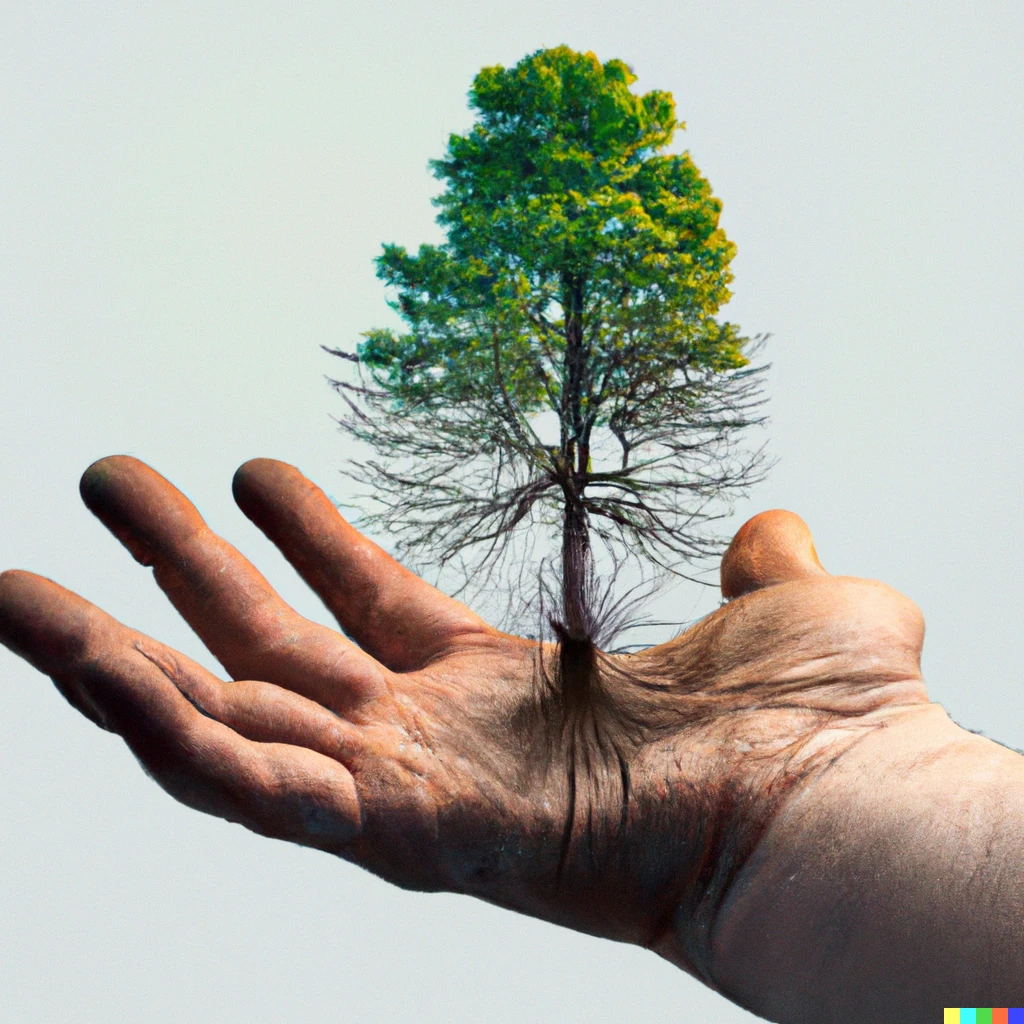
892 886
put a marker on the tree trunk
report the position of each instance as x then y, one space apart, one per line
575 571
577 655
574 456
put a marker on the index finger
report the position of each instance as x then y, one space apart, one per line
389 611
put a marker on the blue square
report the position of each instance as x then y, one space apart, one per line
1016 1015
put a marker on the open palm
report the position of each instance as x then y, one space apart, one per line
441 753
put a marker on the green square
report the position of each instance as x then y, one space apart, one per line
984 1016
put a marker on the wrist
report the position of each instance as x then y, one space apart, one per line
890 882
766 769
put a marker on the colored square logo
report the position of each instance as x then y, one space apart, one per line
983 1015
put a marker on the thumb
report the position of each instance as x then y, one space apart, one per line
773 547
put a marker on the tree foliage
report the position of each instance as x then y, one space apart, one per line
561 363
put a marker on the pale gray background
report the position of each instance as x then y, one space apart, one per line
190 199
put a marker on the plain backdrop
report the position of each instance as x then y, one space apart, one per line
191 196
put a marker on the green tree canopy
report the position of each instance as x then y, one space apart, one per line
562 362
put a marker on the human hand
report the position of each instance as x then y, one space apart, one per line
437 751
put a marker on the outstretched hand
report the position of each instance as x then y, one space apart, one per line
434 750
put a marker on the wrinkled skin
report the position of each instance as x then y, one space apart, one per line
439 752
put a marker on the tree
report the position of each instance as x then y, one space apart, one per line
562 365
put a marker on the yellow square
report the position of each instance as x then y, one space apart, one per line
951 1015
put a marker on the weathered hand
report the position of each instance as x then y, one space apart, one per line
439 752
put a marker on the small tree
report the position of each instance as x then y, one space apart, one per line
562 363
